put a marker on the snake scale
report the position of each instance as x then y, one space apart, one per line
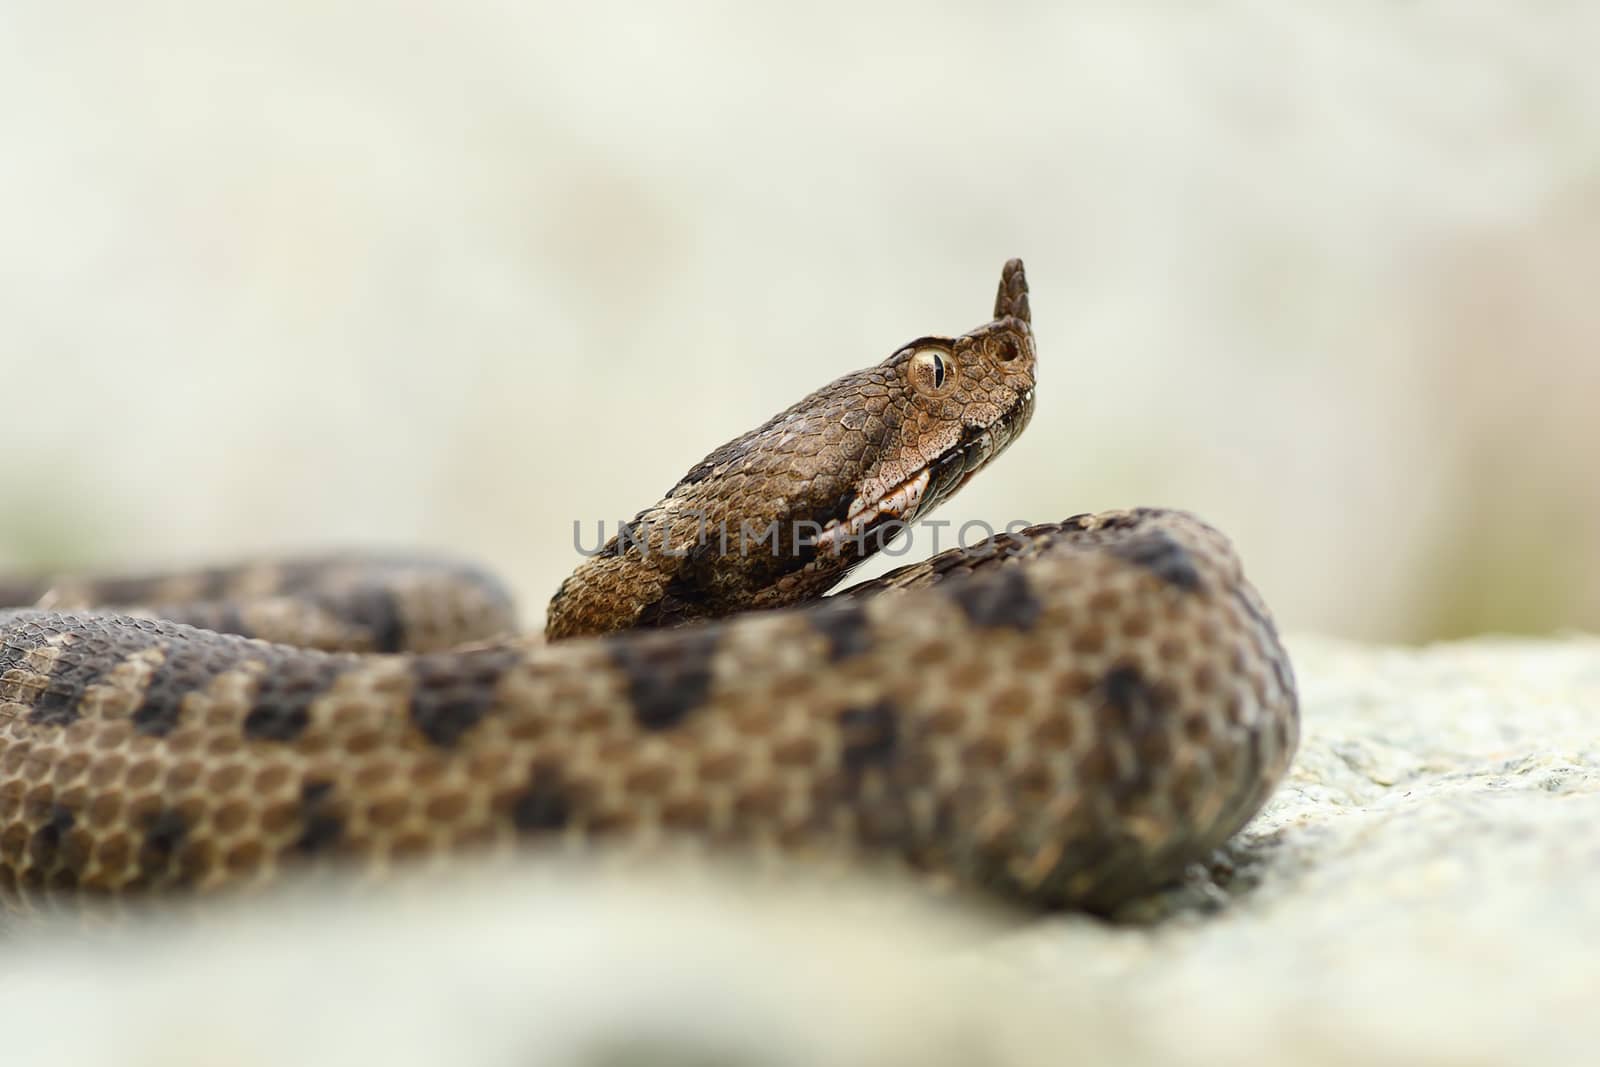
1066 714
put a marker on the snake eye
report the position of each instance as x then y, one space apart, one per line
930 370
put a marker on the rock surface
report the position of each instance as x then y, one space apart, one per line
1425 889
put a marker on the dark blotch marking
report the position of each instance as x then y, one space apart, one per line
716 575
158 718
870 733
281 709
58 704
164 831
321 826
452 692
1127 695
189 666
1002 598
669 675
374 608
1160 553
845 627
689 594
46 842
543 805
724 564
1133 708
276 723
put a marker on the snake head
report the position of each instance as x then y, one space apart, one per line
955 403
784 512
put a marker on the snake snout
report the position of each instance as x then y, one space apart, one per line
1012 299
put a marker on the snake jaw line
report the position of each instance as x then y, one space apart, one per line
899 504
934 482
909 499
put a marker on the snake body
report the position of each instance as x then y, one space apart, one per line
1067 714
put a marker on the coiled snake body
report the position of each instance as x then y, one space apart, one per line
1068 713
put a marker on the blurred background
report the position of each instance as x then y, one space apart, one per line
297 274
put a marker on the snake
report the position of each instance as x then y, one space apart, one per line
1062 715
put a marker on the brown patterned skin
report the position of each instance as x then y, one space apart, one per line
337 603
1068 715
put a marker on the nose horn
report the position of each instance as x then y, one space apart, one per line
1012 299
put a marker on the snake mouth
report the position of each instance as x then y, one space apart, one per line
927 488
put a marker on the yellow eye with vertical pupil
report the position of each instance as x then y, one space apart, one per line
930 370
